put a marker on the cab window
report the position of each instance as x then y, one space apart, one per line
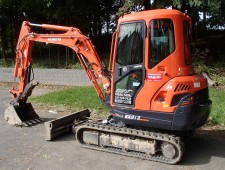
161 41
187 42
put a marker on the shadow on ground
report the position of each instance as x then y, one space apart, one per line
204 145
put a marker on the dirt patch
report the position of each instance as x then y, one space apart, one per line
40 86
60 110
212 131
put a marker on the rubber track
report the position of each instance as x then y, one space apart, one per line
159 157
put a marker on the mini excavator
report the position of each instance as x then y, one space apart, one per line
150 88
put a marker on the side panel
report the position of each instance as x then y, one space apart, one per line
184 117
159 62
140 118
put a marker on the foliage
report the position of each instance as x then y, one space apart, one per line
212 10
207 58
90 16
130 6
215 71
93 17
213 15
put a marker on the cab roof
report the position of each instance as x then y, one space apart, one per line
149 14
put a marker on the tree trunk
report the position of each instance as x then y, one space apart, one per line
183 6
3 39
209 80
11 35
204 17
147 4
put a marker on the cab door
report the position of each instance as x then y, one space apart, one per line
129 63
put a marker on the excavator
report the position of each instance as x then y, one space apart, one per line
152 93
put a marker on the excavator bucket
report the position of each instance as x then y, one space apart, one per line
55 128
24 115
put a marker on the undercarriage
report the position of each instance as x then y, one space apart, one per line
143 144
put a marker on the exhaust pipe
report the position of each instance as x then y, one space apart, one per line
23 115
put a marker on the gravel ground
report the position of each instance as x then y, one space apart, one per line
69 77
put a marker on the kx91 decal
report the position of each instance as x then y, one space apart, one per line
133 117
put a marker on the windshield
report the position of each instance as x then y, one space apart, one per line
130 43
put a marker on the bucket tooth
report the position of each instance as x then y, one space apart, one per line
39 120
29 123
33 121
23 115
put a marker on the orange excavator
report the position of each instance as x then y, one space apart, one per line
150 88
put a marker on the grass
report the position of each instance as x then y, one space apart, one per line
6 63
73 98
217 115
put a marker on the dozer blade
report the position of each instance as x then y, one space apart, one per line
24 115
64 124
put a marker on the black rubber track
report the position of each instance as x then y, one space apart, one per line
124 131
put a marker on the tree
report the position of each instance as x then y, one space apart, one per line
93 16
213 9
9 23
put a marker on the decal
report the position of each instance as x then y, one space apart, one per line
133 117
169 87
154 77
197 84
117 115
124 69
165 105
54 39
136 84
24 53
123 96
138 66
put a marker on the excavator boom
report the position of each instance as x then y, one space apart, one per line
73 38
67 36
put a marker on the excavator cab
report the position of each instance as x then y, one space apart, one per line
154 84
